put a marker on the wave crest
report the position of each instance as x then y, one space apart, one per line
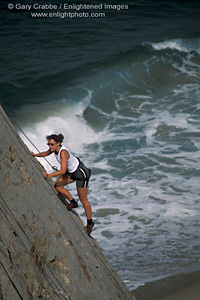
182 45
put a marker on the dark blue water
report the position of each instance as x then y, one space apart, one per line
123 88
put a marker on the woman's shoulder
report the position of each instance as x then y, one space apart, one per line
63 149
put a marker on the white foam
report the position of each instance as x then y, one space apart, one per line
183 45
169 45
164 118
175 209
63 118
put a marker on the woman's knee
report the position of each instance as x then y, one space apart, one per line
83 199
58 187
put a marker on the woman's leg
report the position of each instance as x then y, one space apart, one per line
82 193
59 186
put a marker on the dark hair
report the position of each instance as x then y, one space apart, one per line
57 138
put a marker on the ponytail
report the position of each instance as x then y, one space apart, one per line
60 138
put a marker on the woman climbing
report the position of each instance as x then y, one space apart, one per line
72 169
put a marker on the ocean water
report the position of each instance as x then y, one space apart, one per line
124 91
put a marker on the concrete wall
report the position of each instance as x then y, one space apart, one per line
44 251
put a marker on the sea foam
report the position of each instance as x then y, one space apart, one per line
183 45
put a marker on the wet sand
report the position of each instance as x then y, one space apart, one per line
189 293
177 287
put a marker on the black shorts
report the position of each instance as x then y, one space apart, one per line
81 175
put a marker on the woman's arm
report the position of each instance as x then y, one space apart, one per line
64 155
42 154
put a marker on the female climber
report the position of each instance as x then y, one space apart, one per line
72 169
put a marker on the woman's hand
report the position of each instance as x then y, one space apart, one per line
32 153
45 174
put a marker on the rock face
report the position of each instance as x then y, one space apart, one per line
45 253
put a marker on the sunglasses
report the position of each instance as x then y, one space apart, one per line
50 144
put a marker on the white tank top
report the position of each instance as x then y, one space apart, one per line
72 163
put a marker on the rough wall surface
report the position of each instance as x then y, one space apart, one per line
44 251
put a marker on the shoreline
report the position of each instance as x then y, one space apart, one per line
177 287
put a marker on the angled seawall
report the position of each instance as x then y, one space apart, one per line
44 251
